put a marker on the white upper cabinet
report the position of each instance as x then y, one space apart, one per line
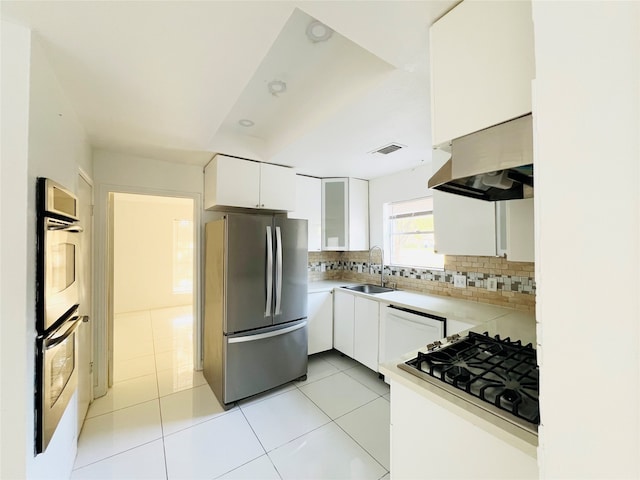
482 64
234 182
463 226
345 214
277 187
515 230
309 207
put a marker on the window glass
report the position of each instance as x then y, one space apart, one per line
410 234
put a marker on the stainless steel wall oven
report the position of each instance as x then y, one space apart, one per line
56 306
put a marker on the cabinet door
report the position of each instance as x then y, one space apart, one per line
277 187
358 214
520 230
463 226
343 320
482 64
231 182
320 317
366 332
335 213
309 207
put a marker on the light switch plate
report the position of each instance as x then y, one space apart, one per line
492 284
460 281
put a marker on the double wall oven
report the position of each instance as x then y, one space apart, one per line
57 316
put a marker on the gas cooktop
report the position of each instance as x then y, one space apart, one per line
498 375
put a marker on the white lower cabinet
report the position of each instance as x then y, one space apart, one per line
356 327
428 439
320 318
343 321
366 332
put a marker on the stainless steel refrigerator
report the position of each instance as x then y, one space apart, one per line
255 312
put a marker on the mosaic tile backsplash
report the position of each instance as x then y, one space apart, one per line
516 286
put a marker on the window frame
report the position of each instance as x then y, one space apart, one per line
389 232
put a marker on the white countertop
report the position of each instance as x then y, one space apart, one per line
492 319
328 285
474 313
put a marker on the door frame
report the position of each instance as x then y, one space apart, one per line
103 277
84 176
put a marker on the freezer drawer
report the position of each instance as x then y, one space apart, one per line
263 360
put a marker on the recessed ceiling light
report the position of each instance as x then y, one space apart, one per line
318 32
245 122
276 87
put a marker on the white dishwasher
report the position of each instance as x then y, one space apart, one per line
403 330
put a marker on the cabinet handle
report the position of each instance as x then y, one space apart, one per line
257 205
262 205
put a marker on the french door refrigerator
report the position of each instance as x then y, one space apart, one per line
255 312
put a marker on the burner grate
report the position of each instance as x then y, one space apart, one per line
499 371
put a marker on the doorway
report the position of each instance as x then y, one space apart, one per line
153 260
85 267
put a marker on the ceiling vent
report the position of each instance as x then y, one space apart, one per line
390 148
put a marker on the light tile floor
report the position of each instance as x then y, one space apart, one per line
161 420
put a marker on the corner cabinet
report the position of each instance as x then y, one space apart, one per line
345 214
320 318
235 182
343 321
309 207
482 64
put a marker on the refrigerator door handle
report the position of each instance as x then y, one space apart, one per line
267 308
278 271
262 336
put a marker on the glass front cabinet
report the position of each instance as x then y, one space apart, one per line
345 214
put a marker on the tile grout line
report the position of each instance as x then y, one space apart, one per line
259 441
116 454
155 367
356 441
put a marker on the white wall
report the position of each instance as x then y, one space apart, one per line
15 378
143 251
587 209
57 146
405 185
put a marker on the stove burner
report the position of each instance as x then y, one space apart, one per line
458 374
495 370
509 395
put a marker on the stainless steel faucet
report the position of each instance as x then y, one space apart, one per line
381 263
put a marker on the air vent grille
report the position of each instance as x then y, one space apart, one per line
387 149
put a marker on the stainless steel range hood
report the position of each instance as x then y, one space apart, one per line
493 164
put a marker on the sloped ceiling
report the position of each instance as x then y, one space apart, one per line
170 80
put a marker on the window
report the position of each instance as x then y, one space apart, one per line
182 256
409 234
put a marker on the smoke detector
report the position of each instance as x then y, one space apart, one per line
389 148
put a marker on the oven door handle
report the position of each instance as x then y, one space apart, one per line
66 228
75 321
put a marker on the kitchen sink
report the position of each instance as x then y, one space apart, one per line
368 288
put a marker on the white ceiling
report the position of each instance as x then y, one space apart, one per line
170 80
